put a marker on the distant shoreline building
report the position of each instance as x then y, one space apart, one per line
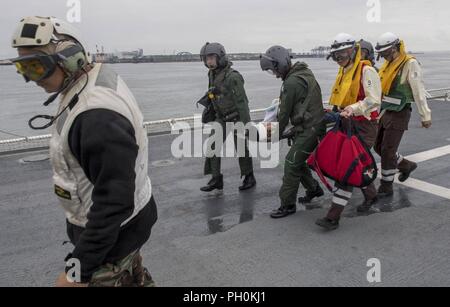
5 63
139 57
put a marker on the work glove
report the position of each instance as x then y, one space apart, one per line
426 124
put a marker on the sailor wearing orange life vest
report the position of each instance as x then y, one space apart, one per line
357 96
402 83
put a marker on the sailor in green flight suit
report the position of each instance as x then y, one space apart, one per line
300 105
227 103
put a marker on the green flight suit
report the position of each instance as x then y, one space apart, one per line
301 105
230 84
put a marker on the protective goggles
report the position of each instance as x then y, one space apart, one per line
384 54
342 45
36 67
340 55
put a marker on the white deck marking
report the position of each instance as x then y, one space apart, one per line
422 185
426 187
430 154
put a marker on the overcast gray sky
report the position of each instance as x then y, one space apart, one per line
165 26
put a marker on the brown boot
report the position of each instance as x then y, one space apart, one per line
370 199
406 167
331 221
141 277
386 189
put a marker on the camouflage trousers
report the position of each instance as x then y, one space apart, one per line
127 272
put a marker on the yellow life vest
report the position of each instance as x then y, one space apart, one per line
390 70
346 88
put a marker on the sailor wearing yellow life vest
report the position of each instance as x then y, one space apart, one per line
402 83
356 95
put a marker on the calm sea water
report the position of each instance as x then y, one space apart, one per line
167 90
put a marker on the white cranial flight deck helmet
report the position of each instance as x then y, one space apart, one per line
37 31
56 44
342 41
387 41
59 43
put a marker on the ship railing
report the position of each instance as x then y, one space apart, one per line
156 127
439 94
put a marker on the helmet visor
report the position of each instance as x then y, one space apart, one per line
267 63
341 55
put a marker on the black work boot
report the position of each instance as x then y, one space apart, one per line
248 183
366 205
370 199
331 221
328 224
386 189
283 211
213 184
310 195
406 168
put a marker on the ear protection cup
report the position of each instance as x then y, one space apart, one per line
75 62
72 59
223 61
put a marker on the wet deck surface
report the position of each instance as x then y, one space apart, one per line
229 239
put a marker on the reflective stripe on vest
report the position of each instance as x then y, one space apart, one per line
400 95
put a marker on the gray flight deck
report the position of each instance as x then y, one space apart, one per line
230 240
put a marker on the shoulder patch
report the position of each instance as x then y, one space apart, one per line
107 78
